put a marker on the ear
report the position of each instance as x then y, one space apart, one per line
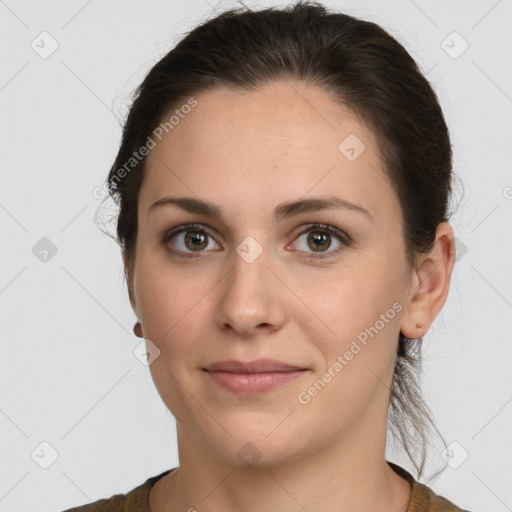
430 284
128 272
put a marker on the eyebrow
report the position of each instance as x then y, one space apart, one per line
281 211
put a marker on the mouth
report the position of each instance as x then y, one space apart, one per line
252 377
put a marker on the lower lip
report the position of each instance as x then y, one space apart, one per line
253 382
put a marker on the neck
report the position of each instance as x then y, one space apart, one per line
355 478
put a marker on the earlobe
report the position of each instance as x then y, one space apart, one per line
430 284
137 328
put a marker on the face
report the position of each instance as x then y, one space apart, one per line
260 280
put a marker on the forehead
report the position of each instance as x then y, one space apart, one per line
280 142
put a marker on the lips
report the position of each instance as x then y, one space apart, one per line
253 377
257 366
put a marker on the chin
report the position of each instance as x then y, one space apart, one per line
252 447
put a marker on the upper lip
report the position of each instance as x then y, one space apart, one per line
256 366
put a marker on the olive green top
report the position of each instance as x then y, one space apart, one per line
423 499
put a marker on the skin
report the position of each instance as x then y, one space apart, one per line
248 152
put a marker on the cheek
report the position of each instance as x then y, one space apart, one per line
172 308
170 301
363 311
356 298
358 360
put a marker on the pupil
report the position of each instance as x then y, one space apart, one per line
321 238
195 236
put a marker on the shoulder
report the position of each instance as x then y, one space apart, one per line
424 499
135 500
116 503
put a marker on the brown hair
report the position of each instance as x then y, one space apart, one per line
364 68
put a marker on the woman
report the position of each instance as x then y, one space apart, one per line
283 181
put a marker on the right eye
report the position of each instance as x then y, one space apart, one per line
189 239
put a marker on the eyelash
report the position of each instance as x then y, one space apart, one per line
340 235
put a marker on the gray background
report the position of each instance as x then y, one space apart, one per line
69 375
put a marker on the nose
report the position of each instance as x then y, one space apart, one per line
252 297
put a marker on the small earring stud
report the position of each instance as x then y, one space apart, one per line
137 330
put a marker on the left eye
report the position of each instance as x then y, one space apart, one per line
319 238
